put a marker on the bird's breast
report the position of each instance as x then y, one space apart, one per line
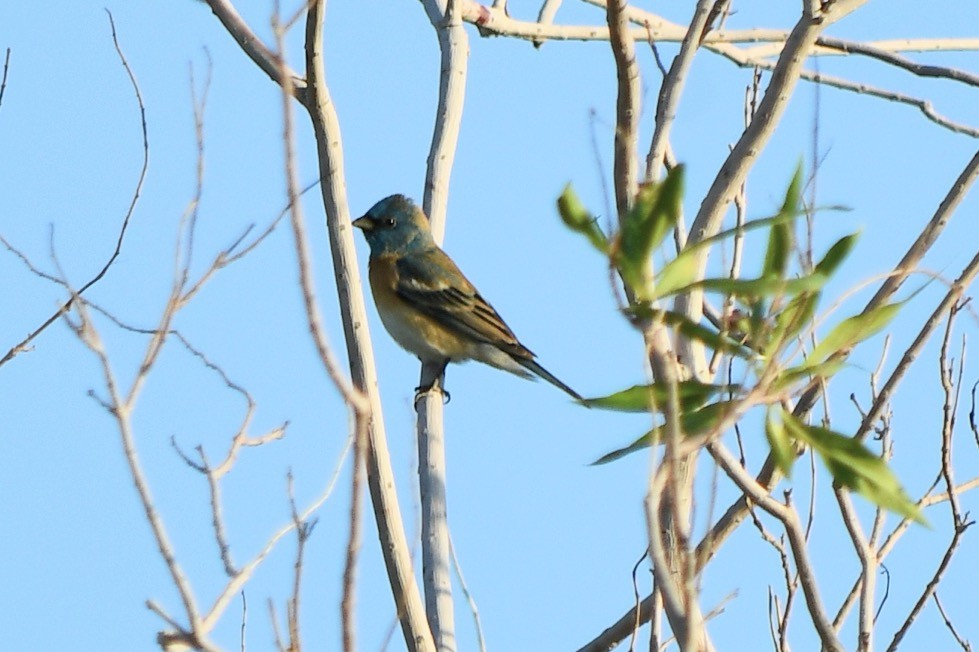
412 329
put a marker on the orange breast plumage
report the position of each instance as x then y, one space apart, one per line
412 329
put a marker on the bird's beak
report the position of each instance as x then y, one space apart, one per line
365 223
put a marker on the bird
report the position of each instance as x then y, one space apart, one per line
428 305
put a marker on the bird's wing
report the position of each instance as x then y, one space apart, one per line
433 284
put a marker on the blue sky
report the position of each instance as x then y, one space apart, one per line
546 542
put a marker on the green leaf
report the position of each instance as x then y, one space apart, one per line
836 254
676 274
780 242
792 204
853 466
691 423
777 256
791 208
742 229
692 330
783 452
644 398
655 211
645 441
794 317
580 220
760 287
759 329
852 331
792 375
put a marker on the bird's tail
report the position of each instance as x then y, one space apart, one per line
532 365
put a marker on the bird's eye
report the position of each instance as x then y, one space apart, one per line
388 222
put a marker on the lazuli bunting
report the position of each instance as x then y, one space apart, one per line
426 303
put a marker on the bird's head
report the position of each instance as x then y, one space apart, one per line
394 225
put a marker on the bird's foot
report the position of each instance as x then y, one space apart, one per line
421 391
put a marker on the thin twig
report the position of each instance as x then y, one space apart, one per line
791 583
200 105
672 88
244 619
897 61
481 639
6 69
787 515
915 252
742 157
868 568
122 410
951 389
276 635
924 106
635 594
65 307
217 521
235 585
890 542
964 644
354 398
304 529
354 537
713 613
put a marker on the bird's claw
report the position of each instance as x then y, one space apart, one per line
434 387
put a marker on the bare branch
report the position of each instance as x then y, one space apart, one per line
787 515
951 297
217 520
122 411
925 106
236 583
625 165
672 579
23 345
896 60
353 313
256 50
931 586
951 389
759 57
672 88
357 400
902 270
623 627
435 543
868 568
548 10
446 18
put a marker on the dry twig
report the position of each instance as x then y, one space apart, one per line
23 345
